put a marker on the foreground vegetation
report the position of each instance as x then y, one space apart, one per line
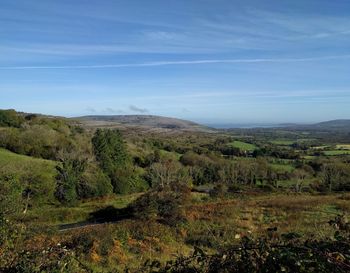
83 199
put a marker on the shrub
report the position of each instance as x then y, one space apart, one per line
166 205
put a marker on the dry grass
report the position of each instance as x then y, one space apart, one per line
210 224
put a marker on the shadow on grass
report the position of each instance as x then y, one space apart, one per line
110 214
106 215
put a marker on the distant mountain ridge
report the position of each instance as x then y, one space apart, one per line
144 121
337 123
331 125
160 122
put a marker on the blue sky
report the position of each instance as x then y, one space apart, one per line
211 61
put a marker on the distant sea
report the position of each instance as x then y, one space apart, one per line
240 125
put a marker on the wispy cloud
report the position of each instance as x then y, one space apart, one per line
136 109
110 110
184 62
90 110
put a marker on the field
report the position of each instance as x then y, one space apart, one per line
336 152
343 146
282 167
283 142
244 146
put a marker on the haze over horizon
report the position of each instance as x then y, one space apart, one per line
211 62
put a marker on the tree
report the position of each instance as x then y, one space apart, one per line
300 175
10 118
110 152
93 182
69 174
163 173
228 174
336 176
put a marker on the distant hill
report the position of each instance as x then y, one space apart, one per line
150 121
334 124
341 125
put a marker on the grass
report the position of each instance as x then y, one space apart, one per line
336 152
302 213
288 142
243 145
309 157
55 215
23 165
283 142
211 223
282 167
343 146
7 157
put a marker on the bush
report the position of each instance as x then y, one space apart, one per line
93 183
165 205
219 191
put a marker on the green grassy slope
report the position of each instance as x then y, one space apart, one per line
38 174
21 164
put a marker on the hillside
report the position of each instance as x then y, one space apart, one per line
334 124
146 121
24 164
340 125
35 175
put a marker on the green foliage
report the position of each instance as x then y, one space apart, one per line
10 195
111 154
110 150
69 175
42 139
35 177
129 180
335 176
165 204
93 183
10 118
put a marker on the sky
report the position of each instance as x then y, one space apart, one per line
210 61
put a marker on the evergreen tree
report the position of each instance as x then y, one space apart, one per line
110 152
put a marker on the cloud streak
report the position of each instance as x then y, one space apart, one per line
185 62
136 109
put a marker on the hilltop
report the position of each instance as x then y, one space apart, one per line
145 121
